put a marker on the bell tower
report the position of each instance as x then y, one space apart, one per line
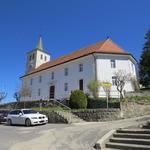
37 56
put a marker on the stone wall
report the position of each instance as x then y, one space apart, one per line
98 115
54 117
141 93
132 109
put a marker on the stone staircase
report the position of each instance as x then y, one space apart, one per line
71 118
130 139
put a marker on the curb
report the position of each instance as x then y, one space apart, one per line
100 144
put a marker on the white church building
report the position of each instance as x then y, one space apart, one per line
56 79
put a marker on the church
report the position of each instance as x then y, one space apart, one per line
55 79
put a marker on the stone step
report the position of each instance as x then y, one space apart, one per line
132 135
134 131
130 141
71 118
127 146
111 149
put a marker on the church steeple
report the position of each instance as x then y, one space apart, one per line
37 56
40 43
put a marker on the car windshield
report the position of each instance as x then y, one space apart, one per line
29 111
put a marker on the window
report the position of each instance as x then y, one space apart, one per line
113 63
80 67
66 87
132 67
41 56
33 56
30 58
39 92
14 112
31 81
45 58
66 71
52 75
40 79
81 84
114 80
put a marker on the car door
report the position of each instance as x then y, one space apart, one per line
12 116
20 117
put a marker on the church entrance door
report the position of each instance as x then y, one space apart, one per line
52 92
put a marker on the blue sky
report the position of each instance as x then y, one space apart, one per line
65 25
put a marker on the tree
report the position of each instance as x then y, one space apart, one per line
25 91
121 78
106 87
93 87
144 64
17 96
2 95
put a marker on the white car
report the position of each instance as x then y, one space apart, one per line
26 117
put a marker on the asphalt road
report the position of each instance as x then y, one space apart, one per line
58 136
11 135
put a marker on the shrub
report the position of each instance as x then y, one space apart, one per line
78 99
93 87
102 103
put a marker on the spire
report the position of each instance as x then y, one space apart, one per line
40 43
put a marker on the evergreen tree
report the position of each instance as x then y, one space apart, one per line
144 65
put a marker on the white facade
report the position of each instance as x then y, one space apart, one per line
105 72
66 77
72 79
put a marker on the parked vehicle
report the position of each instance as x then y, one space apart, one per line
3 115
26 117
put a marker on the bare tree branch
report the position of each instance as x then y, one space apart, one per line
2 95
121 78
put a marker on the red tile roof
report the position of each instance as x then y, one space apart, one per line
107 47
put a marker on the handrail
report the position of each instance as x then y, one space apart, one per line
59 103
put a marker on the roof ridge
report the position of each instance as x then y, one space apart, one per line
108 39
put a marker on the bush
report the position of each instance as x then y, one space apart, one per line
78 99
102 103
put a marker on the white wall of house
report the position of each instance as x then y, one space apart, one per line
105 72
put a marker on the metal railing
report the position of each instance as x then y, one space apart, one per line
54 100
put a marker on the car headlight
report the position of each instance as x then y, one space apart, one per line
33 117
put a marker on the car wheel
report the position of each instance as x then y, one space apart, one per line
9 122
28 122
